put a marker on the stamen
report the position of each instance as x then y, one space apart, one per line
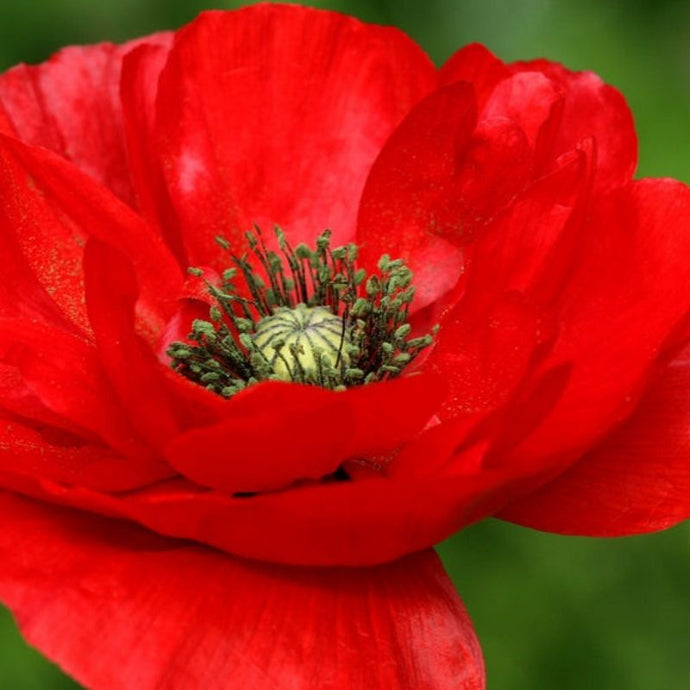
319 320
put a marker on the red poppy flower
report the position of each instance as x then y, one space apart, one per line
222 509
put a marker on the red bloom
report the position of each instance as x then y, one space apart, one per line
554 395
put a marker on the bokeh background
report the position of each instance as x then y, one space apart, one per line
551 612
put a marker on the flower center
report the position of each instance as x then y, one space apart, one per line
303 315
300 342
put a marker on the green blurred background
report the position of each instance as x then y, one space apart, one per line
553 613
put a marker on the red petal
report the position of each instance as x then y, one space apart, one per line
587 109
140 73
389 414
273 435
528 248
40 252
437 183
360 522
489 338
637 480
53 207
484 359
70 104
6 126
133 369
45 452
412 198
160 403
19 402
277 433
274 114
527 99
84 588
478 66
64 373
592 109
71 429
620 310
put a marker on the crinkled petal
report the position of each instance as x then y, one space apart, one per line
274 114
592 109
118 608
70 104
581 107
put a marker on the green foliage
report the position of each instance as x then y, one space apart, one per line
568 613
